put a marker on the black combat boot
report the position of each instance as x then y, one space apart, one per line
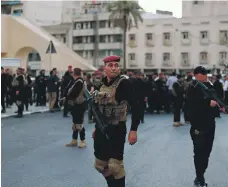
196 182
110 180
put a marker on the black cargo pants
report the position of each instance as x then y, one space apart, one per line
202 144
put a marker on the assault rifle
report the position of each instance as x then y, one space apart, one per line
210 93
96 112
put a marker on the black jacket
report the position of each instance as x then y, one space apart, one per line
202 115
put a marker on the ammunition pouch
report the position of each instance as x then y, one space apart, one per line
80 99
114 114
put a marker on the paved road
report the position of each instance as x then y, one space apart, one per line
34 155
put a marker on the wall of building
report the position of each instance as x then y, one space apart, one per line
43 12
204 8
22 38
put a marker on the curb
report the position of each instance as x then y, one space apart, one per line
25 113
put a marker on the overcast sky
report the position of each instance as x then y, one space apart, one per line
174 6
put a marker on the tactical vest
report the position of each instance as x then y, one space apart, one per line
15 81
112 111
80 98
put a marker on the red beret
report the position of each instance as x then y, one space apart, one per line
69 66
112 58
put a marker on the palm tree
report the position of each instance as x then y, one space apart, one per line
125 14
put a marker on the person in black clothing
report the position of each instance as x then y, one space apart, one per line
141 93
152 93
178 98
187 83
9 80
219 91
52 86
40 87
77 100
3 88
19 84
202 119
67 79
161 94
112 100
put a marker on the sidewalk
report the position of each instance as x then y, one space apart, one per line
10 112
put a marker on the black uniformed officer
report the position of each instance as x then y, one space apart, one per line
202 118
19 84
178 99
112 101
77 100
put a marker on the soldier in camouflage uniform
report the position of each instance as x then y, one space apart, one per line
76 100
112 100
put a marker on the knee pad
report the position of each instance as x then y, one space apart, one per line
116 167
100 165
79 127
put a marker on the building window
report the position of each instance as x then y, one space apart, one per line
102 53
185 58
223 55
17 12
102 24
93 24
86 39
149 36
203 34
148 56
92 39
109 24
223 37
166 57
78 39
117 38
102 38
34 57
78 26
166 36
117 52
132 37
203 57
131 56
185 35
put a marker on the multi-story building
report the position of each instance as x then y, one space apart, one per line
93 35
181 44
198 38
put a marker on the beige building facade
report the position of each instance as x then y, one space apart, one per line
20 37
179 44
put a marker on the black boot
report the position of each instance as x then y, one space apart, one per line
119 182
196 181
110 180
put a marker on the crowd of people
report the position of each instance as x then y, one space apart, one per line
155 93
115 95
